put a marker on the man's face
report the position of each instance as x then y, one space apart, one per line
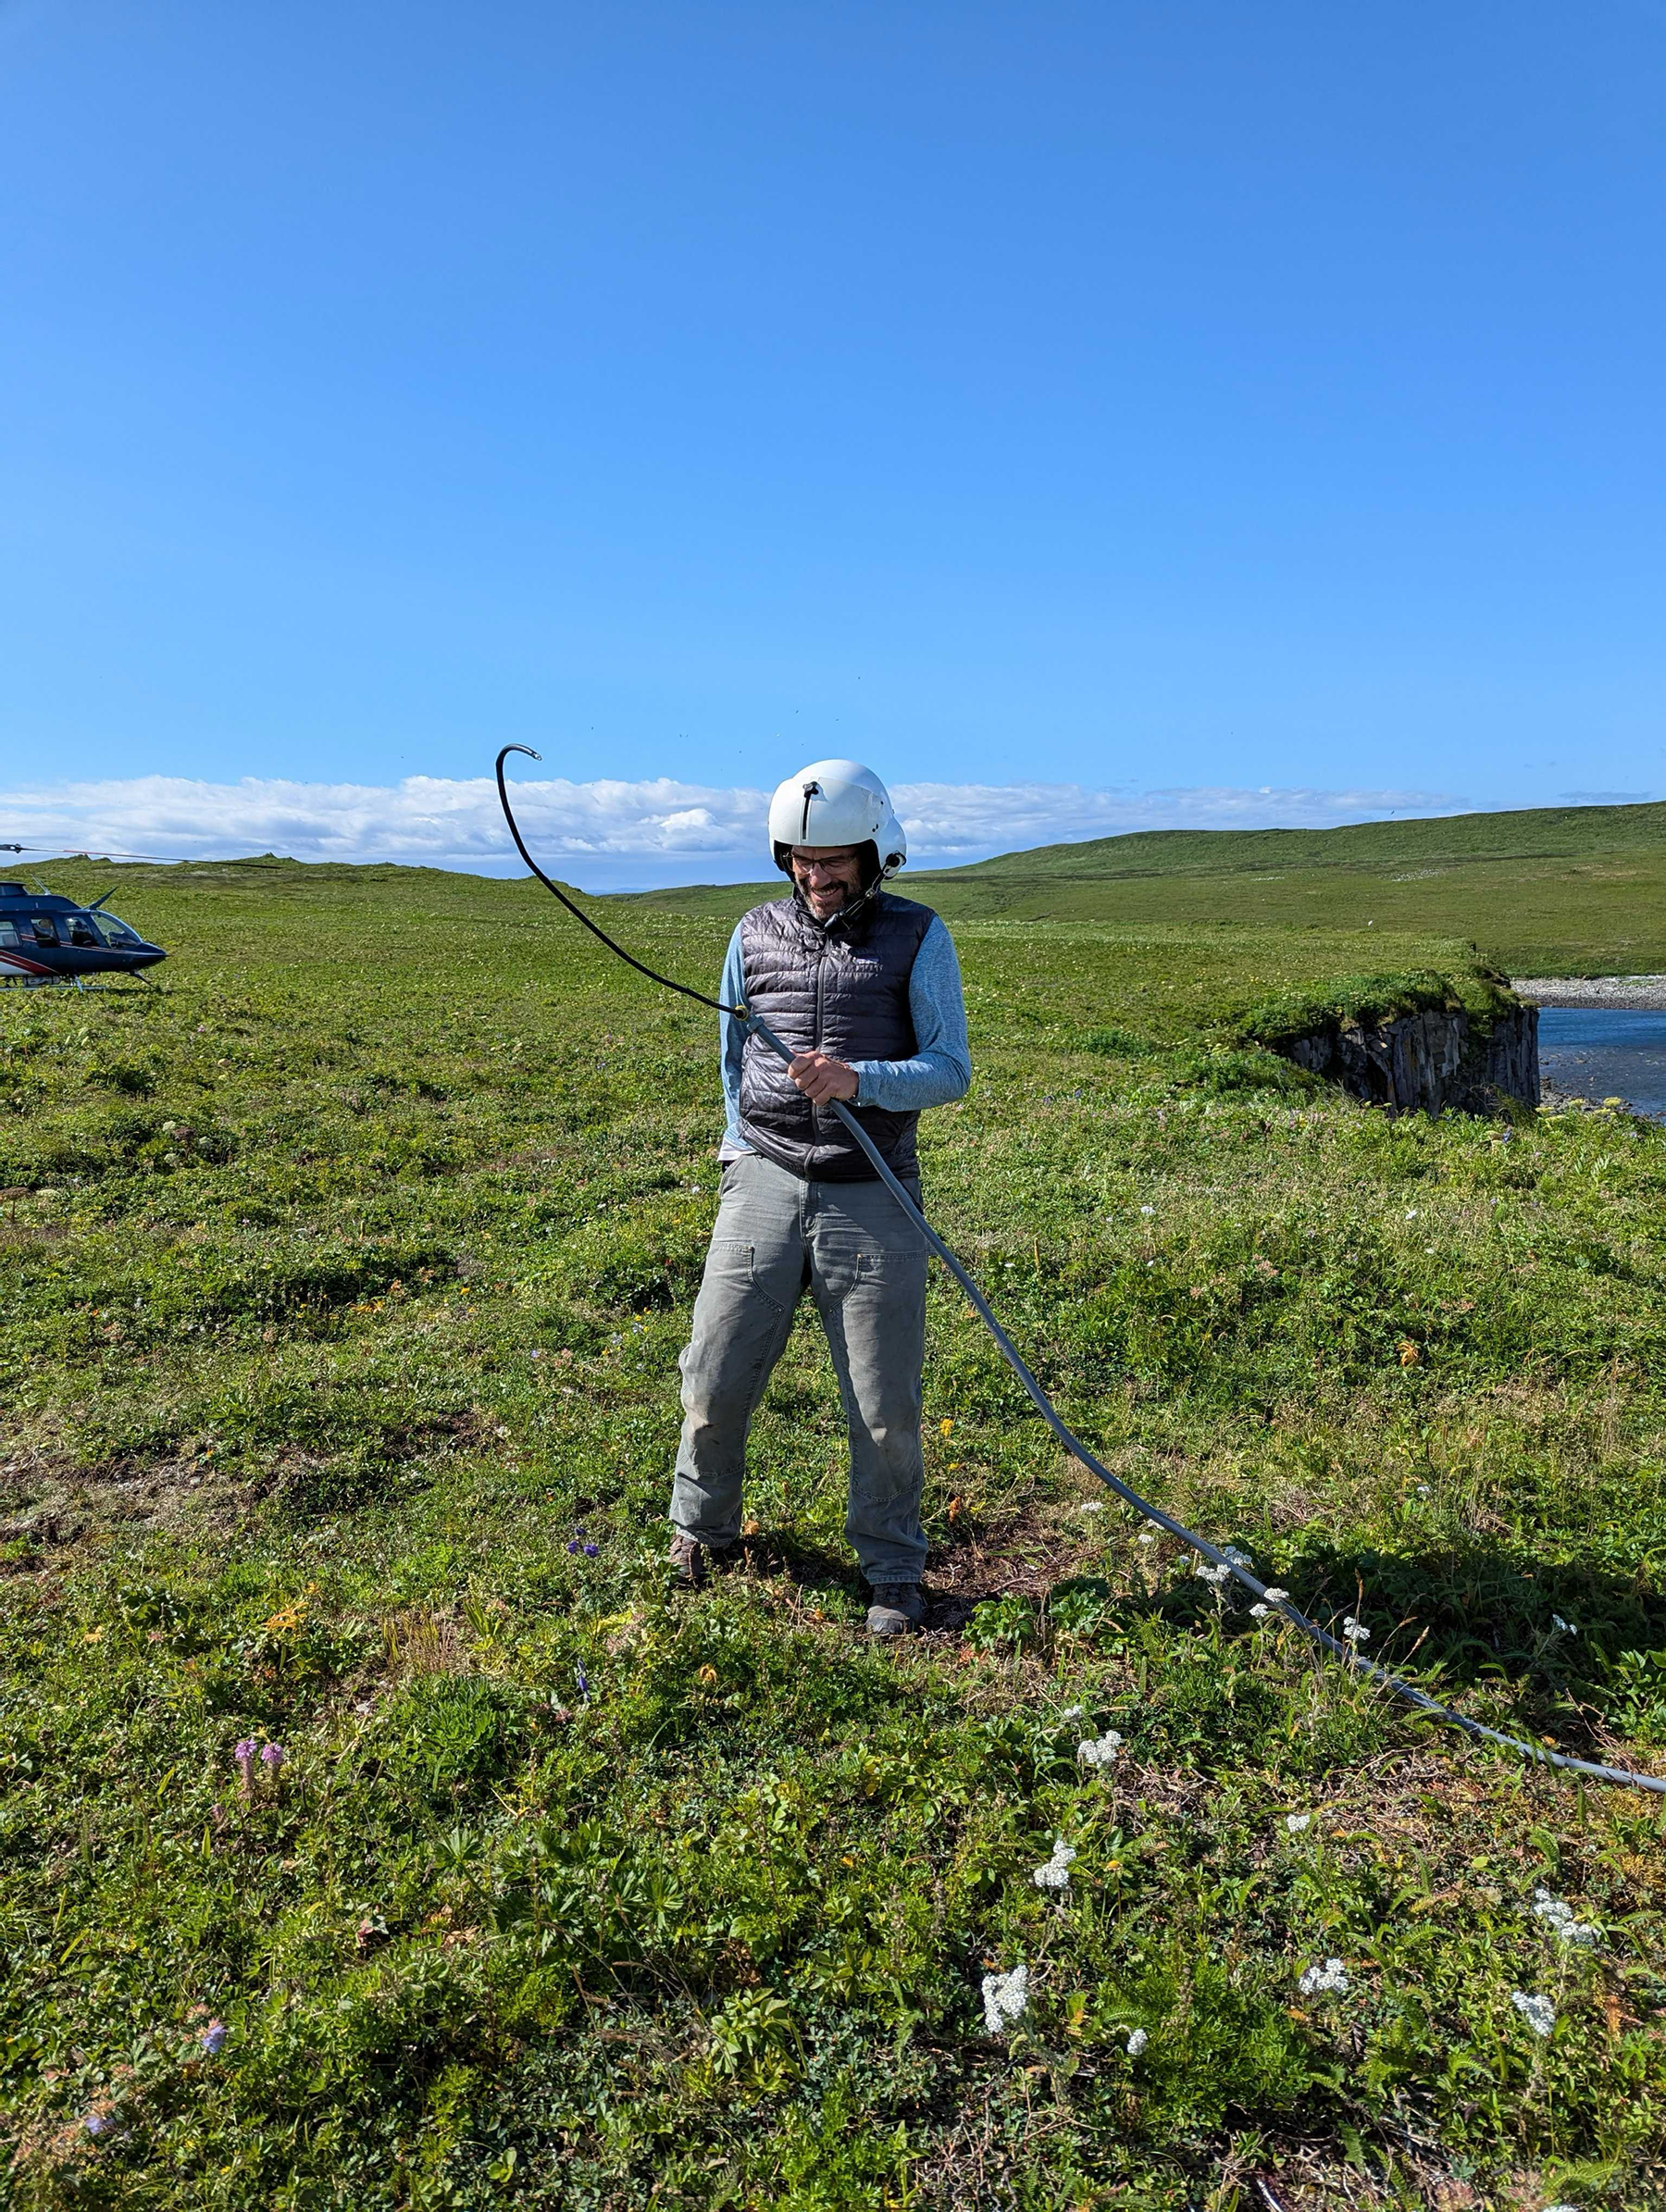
828 875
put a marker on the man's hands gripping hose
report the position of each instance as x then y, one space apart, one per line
821 1079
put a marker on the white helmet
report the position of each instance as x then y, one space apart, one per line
836 803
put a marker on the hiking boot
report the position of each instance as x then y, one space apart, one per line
690 1558
897 1609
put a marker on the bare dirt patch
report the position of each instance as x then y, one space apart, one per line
1026 1557
51 1503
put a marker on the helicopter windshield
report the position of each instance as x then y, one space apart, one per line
117 931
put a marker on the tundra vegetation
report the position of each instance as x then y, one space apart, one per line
376 1829
1570 890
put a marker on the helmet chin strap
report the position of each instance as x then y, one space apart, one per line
848 913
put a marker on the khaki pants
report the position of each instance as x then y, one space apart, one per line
863 1259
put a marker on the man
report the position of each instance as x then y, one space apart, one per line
865 989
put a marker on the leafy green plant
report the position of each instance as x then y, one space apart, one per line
1009 1620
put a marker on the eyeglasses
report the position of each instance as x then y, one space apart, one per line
824 864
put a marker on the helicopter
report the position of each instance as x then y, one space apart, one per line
47 938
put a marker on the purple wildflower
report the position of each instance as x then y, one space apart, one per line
96 2123
583 1679
272 1758
590 1551
575 1546
242 1753
212 2037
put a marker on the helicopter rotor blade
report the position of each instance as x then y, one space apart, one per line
166 859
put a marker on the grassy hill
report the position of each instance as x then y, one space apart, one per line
1563 891
343 1285
1531 833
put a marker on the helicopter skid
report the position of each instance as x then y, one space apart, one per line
10 979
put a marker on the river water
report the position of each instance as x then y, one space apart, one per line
1605 1053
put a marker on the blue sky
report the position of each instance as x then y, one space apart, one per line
1209 411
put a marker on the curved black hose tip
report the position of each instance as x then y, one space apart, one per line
667 982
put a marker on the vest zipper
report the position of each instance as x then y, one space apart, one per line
818 1114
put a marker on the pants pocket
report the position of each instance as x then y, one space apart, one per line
732 1273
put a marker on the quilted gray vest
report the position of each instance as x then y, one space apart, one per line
839 987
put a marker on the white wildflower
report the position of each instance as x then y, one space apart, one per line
1073 1713
1296 1821
1147 1536
1559 1917
1410 1212
1100 1752
1238 1558
1566 1627
1215 1575
1538 2012
1278 1597
1055 1874
1006 1998
1333 1974
1147 1209
1355 1632
1137 2042
1091 1505
1260 1612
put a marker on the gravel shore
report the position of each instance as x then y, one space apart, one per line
1645 994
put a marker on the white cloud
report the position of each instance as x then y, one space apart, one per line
613 833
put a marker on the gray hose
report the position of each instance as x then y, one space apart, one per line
1078 1450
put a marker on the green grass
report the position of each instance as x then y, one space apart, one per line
1545 891
343 1281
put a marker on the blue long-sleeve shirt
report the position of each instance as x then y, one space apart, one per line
936 1072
